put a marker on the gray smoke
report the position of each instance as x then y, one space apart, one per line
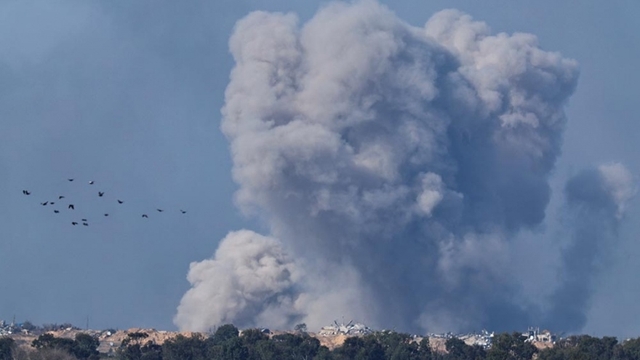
249 277
596 200
395 164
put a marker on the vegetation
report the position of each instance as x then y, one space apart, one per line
6 346
83 347
254 344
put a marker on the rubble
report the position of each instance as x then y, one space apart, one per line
348 329
8 329
482 338
535 335
540 339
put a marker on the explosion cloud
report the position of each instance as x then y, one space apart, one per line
392 164
596 201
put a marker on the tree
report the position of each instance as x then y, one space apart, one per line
458 350
554 353
588 347
86 347
292 346
308 348
129 351
360 348
185 348
48 341
631 349
264 350
399 346
324 354
252 336
594 347
224 333
424 350
27 325
134 351
233 349
6 348
43 341
83 347
151 351
47 354
511 347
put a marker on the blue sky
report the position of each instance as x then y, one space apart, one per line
129 95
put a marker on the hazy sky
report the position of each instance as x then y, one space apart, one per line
129 95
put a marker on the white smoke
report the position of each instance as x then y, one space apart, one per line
394 163
252 282
620 184
250 278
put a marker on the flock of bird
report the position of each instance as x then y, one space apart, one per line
70 206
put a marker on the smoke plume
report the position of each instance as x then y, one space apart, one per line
393 164
596 200
249 277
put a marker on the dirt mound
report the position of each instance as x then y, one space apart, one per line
330 341
111 341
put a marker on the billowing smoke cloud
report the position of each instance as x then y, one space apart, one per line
393 163
596 201
249 277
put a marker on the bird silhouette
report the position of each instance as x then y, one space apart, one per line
106 214
56 211
44 203
60 197
145 216
26 192
74 223
120 201
70 179
85 220
182 211
71 207
91 182
85 224
160 210
52 203
100 193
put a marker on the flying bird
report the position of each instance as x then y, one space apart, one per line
120 201
85 224
44 203
106 214
70 179
60 197
74 223
52 203
71 207
91 182
100 193
145 216
85 220
182 211
160 210
26 192
56 211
